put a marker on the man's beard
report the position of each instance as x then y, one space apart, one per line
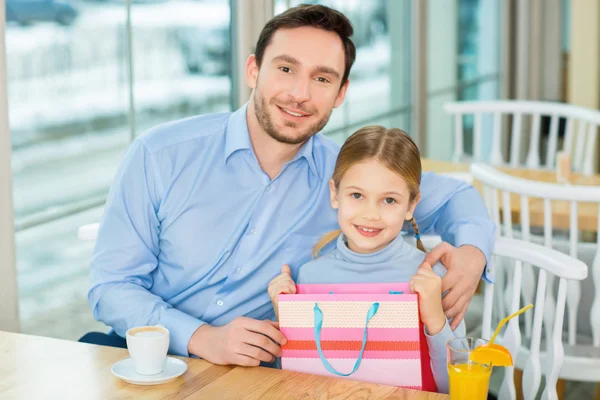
266 122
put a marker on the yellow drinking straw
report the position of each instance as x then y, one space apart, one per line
505 320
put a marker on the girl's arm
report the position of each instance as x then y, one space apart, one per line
437 353
428 285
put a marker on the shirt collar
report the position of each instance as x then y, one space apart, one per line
306 151
237 137
394 249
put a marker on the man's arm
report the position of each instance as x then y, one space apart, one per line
455 210
121 275
126 254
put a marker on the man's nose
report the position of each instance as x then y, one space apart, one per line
300 92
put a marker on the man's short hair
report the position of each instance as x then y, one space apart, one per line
317 16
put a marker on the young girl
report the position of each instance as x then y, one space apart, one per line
375 189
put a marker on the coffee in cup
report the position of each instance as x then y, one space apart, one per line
148 346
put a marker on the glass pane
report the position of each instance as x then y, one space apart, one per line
478 49
463 48
379 91
182 53
68 118
68 87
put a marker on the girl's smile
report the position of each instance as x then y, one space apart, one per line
366 231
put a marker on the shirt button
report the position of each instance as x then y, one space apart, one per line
220 303
253 231
238 270
268 189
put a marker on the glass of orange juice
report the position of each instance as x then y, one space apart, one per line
468 380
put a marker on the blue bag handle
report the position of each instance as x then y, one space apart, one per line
319 324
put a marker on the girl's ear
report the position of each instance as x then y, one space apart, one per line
411 208
333 194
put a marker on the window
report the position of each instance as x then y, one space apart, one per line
182 60
69 92
463 48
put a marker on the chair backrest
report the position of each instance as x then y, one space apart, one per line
581 127
500 190
548 263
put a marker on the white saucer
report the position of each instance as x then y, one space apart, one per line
124 369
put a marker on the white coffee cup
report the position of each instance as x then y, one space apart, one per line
148 346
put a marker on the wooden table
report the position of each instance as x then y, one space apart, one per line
587 212
33 367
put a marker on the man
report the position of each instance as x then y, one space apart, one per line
204 211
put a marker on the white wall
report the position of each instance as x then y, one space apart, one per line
584 62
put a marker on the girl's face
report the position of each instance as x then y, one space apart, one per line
373 203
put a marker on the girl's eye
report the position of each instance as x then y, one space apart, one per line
285 69
389 200
356 196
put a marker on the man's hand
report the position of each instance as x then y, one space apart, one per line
465 266
243 341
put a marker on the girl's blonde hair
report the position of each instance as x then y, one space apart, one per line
391 147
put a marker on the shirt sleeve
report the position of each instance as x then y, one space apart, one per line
437 353
126 254
454 210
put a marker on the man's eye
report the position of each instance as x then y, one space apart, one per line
323 80
389 200
356 196
285 69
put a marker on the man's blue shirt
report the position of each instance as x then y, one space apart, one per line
193 229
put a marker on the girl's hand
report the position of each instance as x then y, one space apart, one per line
281 284
428 285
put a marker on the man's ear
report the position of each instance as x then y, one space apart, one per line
411 208
251 71
333 194
341 95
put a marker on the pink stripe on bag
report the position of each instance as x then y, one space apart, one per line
385 372
375 334
354 288
348 297
353 354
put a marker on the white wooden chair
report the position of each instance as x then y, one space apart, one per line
548 263
582 357
580 132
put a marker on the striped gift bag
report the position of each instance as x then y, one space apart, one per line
366 332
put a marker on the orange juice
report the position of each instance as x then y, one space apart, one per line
469 381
